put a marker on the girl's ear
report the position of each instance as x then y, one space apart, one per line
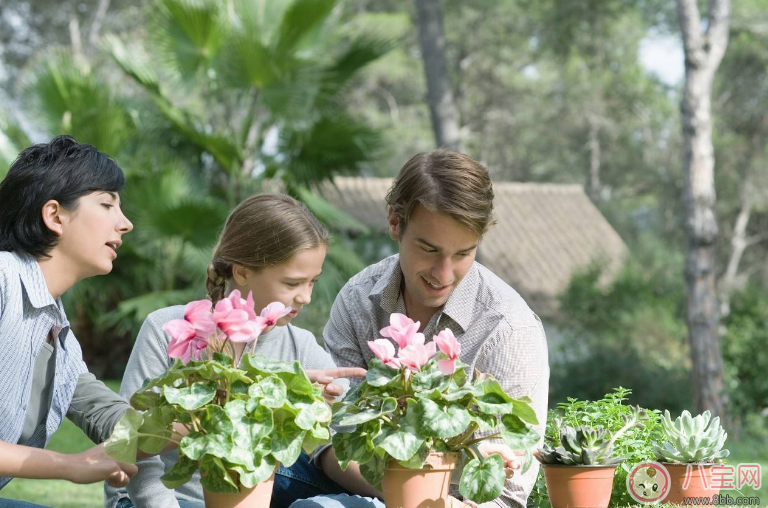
54 216
240 275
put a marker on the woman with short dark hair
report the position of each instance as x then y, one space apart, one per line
60 222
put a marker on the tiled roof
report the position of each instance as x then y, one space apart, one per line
544 233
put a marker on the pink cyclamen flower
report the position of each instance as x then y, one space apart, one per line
198 314
415 356
384 351
448 344
272 313
233 318
184 343
403 330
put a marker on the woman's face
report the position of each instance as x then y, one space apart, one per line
290 283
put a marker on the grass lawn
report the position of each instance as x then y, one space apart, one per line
70 439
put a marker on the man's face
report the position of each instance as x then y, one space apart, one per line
436 251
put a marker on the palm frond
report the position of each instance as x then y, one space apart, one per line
301 18
66 97
12 141
187 34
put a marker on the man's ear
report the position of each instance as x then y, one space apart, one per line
394 224
240 275
54 216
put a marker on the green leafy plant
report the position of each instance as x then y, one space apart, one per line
415 402
690 439
588 446
636 444
239 420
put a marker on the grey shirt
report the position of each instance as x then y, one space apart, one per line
498 332
149 359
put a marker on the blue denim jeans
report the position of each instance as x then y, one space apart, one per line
301 481
339 501
12 503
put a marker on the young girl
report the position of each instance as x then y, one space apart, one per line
60 222
271 245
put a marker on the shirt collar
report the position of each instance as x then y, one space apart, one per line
36 289
459 307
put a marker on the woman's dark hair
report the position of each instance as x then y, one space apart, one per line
63 170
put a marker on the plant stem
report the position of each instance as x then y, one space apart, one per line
477 440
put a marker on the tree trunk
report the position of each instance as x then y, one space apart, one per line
593 181
442 106
703 54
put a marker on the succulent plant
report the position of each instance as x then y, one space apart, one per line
689 439
588 446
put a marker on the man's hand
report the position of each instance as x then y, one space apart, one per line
326 377
93 466
511 461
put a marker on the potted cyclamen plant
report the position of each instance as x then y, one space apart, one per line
239 420
579 464
691 446
416 415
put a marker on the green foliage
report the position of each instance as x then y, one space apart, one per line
745 335
609 413
240 421
588 446
396 414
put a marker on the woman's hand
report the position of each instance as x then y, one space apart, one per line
326 377
93 466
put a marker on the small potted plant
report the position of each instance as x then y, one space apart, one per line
579 464
691 446
417 416
237 421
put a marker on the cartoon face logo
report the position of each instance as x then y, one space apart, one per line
648 482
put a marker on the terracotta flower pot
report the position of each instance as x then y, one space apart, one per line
579 486
695 488
420 488
256 497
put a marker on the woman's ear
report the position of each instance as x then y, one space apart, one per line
54 216
240 275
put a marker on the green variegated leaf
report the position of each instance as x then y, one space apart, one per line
357 446
524 411
385 406
287 438
270 392
380 375
418 458
443 421
215 477
483 481
180 473
250 477
402 442
143 400
122 445
155 430
218 440
191 397
430 378
517 435
318 411
373 471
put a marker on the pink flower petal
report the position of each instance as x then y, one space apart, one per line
448 366
383 349
179 329
448 344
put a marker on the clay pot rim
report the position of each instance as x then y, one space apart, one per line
691 463
580 466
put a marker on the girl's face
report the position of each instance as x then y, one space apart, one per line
290 283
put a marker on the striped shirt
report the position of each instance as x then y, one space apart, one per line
499 335
28 314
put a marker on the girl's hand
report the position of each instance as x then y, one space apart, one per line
326 377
